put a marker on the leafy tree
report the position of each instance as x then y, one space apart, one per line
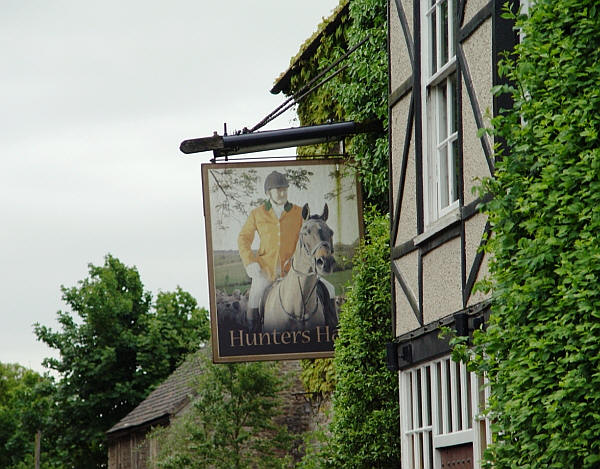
231 424
175 328
365 429
541 350
25 404
364 95
107 361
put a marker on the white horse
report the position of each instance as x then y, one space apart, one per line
297 301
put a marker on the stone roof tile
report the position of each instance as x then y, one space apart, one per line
168 398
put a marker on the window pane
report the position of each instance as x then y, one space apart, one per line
456 173
453 103
469 401
454 16
444 28
443 182
442 112
433 42
417 376
428 378
438 396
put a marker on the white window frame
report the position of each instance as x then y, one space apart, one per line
439 110
441 405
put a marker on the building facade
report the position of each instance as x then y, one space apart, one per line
443 66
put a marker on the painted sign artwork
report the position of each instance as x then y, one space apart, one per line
280 241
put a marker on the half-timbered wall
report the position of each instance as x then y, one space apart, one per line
439 98
437 261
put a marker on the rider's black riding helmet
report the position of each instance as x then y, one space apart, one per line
275 180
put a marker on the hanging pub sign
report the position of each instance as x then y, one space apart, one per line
280 242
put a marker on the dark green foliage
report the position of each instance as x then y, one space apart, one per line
363 96
365 424
113 349
231 424
542 352
365 429
176 327
25 403
318 376
321 105
359 93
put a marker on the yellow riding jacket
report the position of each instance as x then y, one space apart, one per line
278 238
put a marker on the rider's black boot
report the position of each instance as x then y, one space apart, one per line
254 322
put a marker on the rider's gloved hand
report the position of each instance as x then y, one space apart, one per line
253 270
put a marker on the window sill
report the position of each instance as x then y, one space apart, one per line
437 226
453 439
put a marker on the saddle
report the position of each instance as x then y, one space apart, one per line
261 306
329 312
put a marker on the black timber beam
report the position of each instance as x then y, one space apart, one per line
225 145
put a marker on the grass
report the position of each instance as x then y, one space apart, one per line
231 275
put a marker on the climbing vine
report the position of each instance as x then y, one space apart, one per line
358 93
365 421
363 96
542 353
364 432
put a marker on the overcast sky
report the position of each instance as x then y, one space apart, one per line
95 98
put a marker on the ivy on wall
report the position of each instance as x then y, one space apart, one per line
321 105
364 96
542 352
365 423
358 93
364 432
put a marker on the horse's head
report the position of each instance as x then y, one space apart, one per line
317 240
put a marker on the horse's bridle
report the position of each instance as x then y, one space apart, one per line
310 254
304 316
313 270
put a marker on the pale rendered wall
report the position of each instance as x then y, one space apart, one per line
477 51
483 274
401 68
408 266
472 7
405 318
474 229
408 216
442 286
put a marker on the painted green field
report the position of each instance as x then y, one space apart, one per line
231 275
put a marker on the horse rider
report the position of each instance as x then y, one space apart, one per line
277 222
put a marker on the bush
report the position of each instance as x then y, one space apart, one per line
365 428
542 353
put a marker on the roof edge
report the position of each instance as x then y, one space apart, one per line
115 433
309 47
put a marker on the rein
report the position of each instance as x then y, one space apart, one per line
316 248
310 254
304 316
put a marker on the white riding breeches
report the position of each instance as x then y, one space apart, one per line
258 286
260 283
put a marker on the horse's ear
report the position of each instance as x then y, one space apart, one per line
305 212
325 213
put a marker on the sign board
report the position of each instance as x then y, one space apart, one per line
280 242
